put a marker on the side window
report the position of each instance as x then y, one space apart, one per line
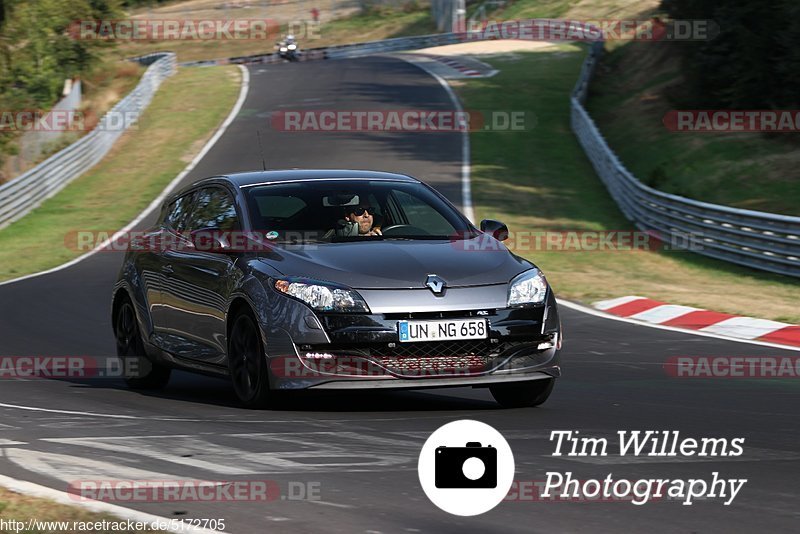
420 213
213 208
177 213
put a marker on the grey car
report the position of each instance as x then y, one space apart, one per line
260 277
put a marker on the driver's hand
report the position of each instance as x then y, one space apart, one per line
376 231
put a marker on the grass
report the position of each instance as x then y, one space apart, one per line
124 183
18 507
637 84
581 10
380 22
350 26
540 180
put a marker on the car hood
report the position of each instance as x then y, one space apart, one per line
395 264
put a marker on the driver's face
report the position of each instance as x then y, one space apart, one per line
364 221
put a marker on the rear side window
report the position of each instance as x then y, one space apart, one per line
213 208
177 213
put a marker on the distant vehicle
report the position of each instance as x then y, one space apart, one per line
259 284
288 49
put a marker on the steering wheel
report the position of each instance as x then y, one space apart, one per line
414 230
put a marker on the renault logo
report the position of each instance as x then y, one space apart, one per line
435 284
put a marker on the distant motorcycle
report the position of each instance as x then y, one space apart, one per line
288 51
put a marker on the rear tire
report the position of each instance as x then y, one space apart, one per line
140 371
247 363
523 394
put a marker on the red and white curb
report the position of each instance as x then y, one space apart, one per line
463 70
723 324
455 64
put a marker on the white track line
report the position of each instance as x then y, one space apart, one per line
68 412
43 492
466 184
156 203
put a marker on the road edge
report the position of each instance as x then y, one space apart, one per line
243 92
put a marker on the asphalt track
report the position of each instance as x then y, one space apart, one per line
360 449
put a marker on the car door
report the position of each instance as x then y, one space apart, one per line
154 267
200 280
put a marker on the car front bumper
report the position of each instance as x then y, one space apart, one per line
364 352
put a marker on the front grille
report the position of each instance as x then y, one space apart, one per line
431 366
419 359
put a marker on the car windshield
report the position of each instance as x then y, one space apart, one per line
345 210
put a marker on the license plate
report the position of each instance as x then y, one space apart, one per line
445 330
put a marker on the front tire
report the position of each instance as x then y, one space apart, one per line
140 371
523 394
247 363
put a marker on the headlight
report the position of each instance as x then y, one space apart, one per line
529 287
292 47
323 296
283 49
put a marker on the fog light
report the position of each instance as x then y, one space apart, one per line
318 356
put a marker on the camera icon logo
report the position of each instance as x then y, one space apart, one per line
466 467
472 466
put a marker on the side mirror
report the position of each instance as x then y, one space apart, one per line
211 240
494 228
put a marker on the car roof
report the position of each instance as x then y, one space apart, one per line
247 179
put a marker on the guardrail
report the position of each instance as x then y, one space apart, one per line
30 189
760 240
344 51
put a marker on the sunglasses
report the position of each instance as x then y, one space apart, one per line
359 211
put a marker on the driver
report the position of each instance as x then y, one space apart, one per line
359 221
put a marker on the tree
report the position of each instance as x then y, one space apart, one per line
752 63
37 52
